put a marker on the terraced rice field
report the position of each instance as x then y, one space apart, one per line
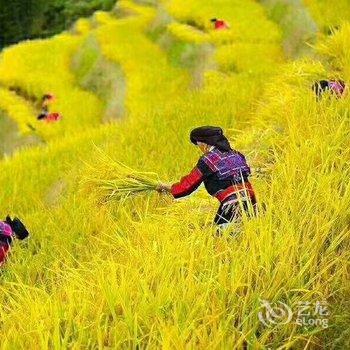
149 272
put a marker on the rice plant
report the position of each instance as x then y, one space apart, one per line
115 181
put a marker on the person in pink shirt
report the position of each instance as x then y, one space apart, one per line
337 88
10 229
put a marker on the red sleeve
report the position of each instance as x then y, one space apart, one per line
187 184
3 253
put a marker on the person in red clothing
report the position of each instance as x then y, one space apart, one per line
45 115
220 24
10 229
53 117
224 172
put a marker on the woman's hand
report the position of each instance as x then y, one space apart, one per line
164 188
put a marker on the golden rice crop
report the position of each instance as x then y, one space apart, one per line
49 71
329 14
149 273
121 182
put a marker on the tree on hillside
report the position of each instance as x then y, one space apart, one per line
19 18
28 19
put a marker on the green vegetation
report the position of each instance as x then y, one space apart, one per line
102 77
329 14
10 137
299 28
28 19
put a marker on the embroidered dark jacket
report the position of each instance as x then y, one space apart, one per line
217 170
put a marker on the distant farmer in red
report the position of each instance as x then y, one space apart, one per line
219 24
10 229
45 115
224 172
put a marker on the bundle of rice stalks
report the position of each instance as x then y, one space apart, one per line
123 187
114 181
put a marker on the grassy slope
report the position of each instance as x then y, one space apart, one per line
47 70
152 274
328 13
298 27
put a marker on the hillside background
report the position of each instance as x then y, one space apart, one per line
29 19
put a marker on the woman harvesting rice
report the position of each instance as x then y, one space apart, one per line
224 173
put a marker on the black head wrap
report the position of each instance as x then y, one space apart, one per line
320 87
211 135
18 228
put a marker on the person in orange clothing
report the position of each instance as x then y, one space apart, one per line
224 172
